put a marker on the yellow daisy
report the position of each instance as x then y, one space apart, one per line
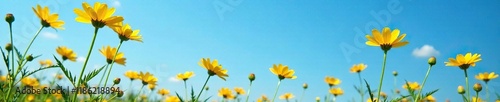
132 75
185 76
147 78
332 81
99 15
45 63
109 53
66 53
172 99
48 20
163 92
463 62
358 68
283 72
33 82
413 86
336 91
386 39
213 68
486 76
126 33
239 90
287 96
226 93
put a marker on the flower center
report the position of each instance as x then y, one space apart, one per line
98 23
386 47
45 23
464 66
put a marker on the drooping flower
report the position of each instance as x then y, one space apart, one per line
287 96
358 68
99 15
109 53
172 99
413 86
336 91
132 75
332 81
226 93
239 90
386 39
213 68
185 76
147 78
47 19
66 53
45 63
283 72
126 33
463 62
486 76
163 92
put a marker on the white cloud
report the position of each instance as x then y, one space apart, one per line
50 35
80 59
425 51
173 79
116 3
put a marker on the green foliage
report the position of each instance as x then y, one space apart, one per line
66 72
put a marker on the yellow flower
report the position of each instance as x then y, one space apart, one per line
66 53
239 90
126 33
132 75
48 20
413 86
59 76
213 68
185 76
262 98
486 76
463 62
58 96
226 93
151 87
336 91
358 68
331 81
430 99
287 96
46 63
147 78
477 99
370 100
48 100
383 94
282 71
33 82
172 99
3 78
99 15
109 53
30 98
163 92
386 39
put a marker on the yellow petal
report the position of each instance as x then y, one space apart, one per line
394 35
386 33
378 36
399 44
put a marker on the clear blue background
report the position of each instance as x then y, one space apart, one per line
251 36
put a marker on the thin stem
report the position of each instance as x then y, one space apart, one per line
328 95
104 74
477 96
185 90
334 98
202 88
465 99
487 92
302 96
249 88
423 83
382 75
139 94
276 92
86 60
361 91
12 63
112 63
467 83
32 40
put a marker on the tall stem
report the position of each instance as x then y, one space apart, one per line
185 91
112 63
328 95
381 75
104 74
86 61
487 92
11 79
302 96
249 89
276 92
139 94
423 83
361 91
202 88
467 84
32 40
477 96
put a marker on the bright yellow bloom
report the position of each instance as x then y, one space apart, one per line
59 76
498 100
30 98
109 53
463 62
336 91
287 96
58 96
213 68
486 76
163 92
66 53
172 99
48 20
226 93
185 76
282 72
99 15
332 81
30 81
239 90
48 100
430 99
358 68
132 75
126 33
45 63
151 86
148 78
477 99
4 78
262 98
386 39
370 100
413 86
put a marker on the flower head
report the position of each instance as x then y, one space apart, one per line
432 61
132 75
66 53
185 76
45 63
214 68
109 53
336 91
358 68
163 92
486 76
460 90
172 99
99 15
476 99
251 77
262 98
48 20
147 78
33 82
126 33
226 93
332 81
282 72
430 99
287 96
239 90
412 86
151 86
305 86
463 62
9 18
386 39
477 87
59 76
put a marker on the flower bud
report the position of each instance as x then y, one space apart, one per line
120 93
317 99
9 18
383 95
206 88
304 85
397 91
117 81
8 47
394 73
461 90
432 61
477 87
29 58
251 77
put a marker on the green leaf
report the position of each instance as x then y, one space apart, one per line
19 56
66 72
25 73
92 74
5 58
430 93
369 92
399 99
64 94
193 97
178 96
206 100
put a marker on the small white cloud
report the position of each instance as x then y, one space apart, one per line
50 35
173 79
116 3
80 59
425 51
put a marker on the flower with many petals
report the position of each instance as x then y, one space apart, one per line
172 99
226 93
486 76
147 78
430 99
132 75
45 63
99 15
163 92
386 39
336 91
239 90
282 71
358 68
262 98
126 33
185 76
213 68
66 53
463 62
412 86
47 19
287 96
332 81
33 82
109 53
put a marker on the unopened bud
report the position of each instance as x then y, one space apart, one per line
432 61
397 91
251 77
461 90
477 87
117 81
8 47
304 85
9 18
206 88
394 73
120 93
317 99
383 95
29 58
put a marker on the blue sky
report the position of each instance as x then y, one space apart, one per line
315 38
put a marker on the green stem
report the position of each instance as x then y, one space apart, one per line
139 94
277 88
487 92
32 40
86 61
361 91
477 96
112 97
382 75
112 63
12 63
467 83
202 88
302 96
104 74
465 99
423 83
249 89
328 95
185 90
334 98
